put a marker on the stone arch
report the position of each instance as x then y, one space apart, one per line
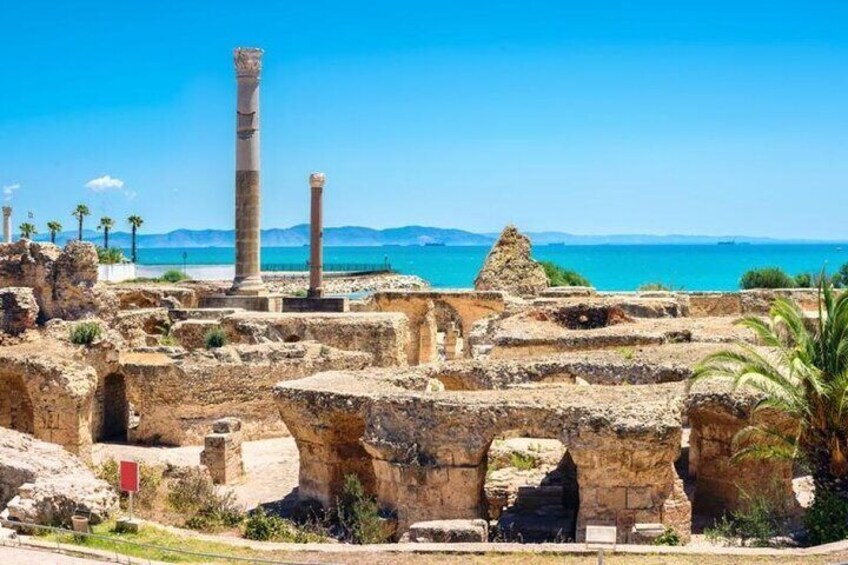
16 409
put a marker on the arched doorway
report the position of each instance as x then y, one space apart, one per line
16 410
115 408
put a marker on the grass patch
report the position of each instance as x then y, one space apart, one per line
215 338
558 276
208 508
85 333
523 461
262 526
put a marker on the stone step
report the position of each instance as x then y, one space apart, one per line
534 528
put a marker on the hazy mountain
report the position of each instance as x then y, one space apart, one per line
298 235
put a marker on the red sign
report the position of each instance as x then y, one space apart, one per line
129 476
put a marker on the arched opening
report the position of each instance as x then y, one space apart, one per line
450 340
16 410
532 491
114 408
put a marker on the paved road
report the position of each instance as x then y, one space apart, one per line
28 556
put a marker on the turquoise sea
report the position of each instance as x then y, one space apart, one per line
609 267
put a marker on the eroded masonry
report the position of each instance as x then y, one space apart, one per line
423 394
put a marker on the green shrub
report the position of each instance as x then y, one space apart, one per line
358 515
654 286
840 279
557 276
757 521
214 338
149 480
826 519
173 276
769 277
262 526
208 508
522 461
110 256
668 537
85 333
805 280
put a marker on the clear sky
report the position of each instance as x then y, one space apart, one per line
585 117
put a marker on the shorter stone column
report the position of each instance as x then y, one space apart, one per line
7 224
316 236
222 451
450 341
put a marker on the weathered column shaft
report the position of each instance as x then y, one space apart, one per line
316 236
248 279
7 224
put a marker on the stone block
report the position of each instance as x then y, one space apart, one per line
299 304
222 451
645 534
639 497
226 425
448 531
19 310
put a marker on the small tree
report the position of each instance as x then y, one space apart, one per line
27 230
80 212
53 227
106 224
135 222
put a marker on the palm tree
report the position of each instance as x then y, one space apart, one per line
804 376
106 224
134 221
80 212
53 227
27 230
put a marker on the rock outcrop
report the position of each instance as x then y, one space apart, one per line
510 268
44 484
63 281
19 310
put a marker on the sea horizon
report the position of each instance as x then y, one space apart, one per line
609 267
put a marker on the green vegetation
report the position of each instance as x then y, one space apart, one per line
840 279
54 227
207 508
806 380
106 224
557 276
135 222
111 256
358 516
150 478
522 461
826 519
85 333
80 212
668 537
262 526
626 352
768 277
173 276
215 338
654 286
27 230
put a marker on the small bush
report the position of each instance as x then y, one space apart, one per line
826 519
557 276
769 277
85 333
214 338
755 523
111 256
655 286
840 279
173 276
805 280
207 507
358 515
522 461
668 537
262 526
149 480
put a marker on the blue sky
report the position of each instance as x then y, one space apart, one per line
589 117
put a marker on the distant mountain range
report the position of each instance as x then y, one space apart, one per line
350 236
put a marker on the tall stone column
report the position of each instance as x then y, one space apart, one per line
7 224
248 279
316 236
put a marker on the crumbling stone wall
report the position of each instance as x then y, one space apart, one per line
48 396
509 267
64 281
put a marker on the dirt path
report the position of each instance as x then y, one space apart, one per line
271 465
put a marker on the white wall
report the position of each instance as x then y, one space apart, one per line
116 273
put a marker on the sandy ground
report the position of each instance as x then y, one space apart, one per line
271 465
29 556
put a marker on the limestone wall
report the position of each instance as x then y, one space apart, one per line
384 336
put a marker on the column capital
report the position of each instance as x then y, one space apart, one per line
7 211
317 180
248 61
